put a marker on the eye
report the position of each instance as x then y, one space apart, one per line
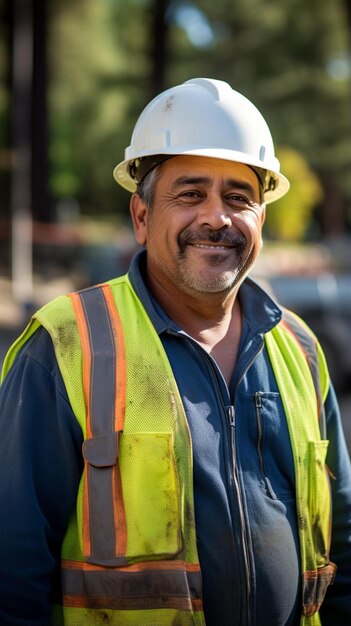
238 199
190 195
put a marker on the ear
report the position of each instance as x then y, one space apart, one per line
138 211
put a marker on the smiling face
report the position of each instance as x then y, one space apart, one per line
203 232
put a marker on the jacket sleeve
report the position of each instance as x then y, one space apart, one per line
40 469
336 609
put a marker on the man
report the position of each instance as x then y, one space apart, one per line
163 435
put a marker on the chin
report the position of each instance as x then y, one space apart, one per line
218 284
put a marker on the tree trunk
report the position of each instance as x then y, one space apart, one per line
41 201
159 46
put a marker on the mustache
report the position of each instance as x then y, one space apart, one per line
235 240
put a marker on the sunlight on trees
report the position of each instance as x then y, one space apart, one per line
292 59
289 218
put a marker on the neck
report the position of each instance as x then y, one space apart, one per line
197 314
212 319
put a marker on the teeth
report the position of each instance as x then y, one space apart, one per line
202 245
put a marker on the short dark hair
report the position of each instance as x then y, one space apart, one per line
146 188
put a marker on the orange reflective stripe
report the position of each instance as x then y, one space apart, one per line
158 585
120 408
104 379
134 567
85 343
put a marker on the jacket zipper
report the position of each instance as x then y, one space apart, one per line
245 544
258 406
245 549
230 414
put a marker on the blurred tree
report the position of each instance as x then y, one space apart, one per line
97 91
289 218
5 80
293 60
23 111
81 59
106 59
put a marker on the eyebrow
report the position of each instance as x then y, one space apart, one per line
206 180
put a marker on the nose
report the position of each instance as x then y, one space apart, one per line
213 213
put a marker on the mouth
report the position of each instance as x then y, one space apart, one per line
210 246
210 241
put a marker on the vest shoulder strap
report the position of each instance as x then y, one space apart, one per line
315 360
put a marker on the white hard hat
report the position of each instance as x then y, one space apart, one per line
203 117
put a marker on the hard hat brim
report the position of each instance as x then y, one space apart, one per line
122 175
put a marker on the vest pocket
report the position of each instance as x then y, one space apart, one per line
319 501
151 495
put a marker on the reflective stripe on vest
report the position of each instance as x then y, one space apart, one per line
104 381
148 585
292 349
318 573
148 368
107 579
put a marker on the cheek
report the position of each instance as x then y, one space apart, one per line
249 224
158 235
167 229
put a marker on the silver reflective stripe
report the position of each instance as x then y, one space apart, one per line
138 588
309 346
101 449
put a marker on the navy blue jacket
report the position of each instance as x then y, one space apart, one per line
246 497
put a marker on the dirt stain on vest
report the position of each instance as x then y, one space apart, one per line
96 617
65 339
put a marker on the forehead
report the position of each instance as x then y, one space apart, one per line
181 167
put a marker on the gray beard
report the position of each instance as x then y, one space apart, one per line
230 278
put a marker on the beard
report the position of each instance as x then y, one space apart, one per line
216 281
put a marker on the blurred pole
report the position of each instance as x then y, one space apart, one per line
21 186
42 205
159 53
347 4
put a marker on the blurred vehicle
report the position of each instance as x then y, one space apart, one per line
324 302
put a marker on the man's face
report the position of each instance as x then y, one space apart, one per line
203 232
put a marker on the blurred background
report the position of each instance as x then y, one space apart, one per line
75 74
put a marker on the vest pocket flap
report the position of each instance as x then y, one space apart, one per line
101 451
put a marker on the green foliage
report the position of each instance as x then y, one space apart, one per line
88 106
288 219
283 55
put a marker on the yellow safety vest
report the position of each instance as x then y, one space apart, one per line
129 556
